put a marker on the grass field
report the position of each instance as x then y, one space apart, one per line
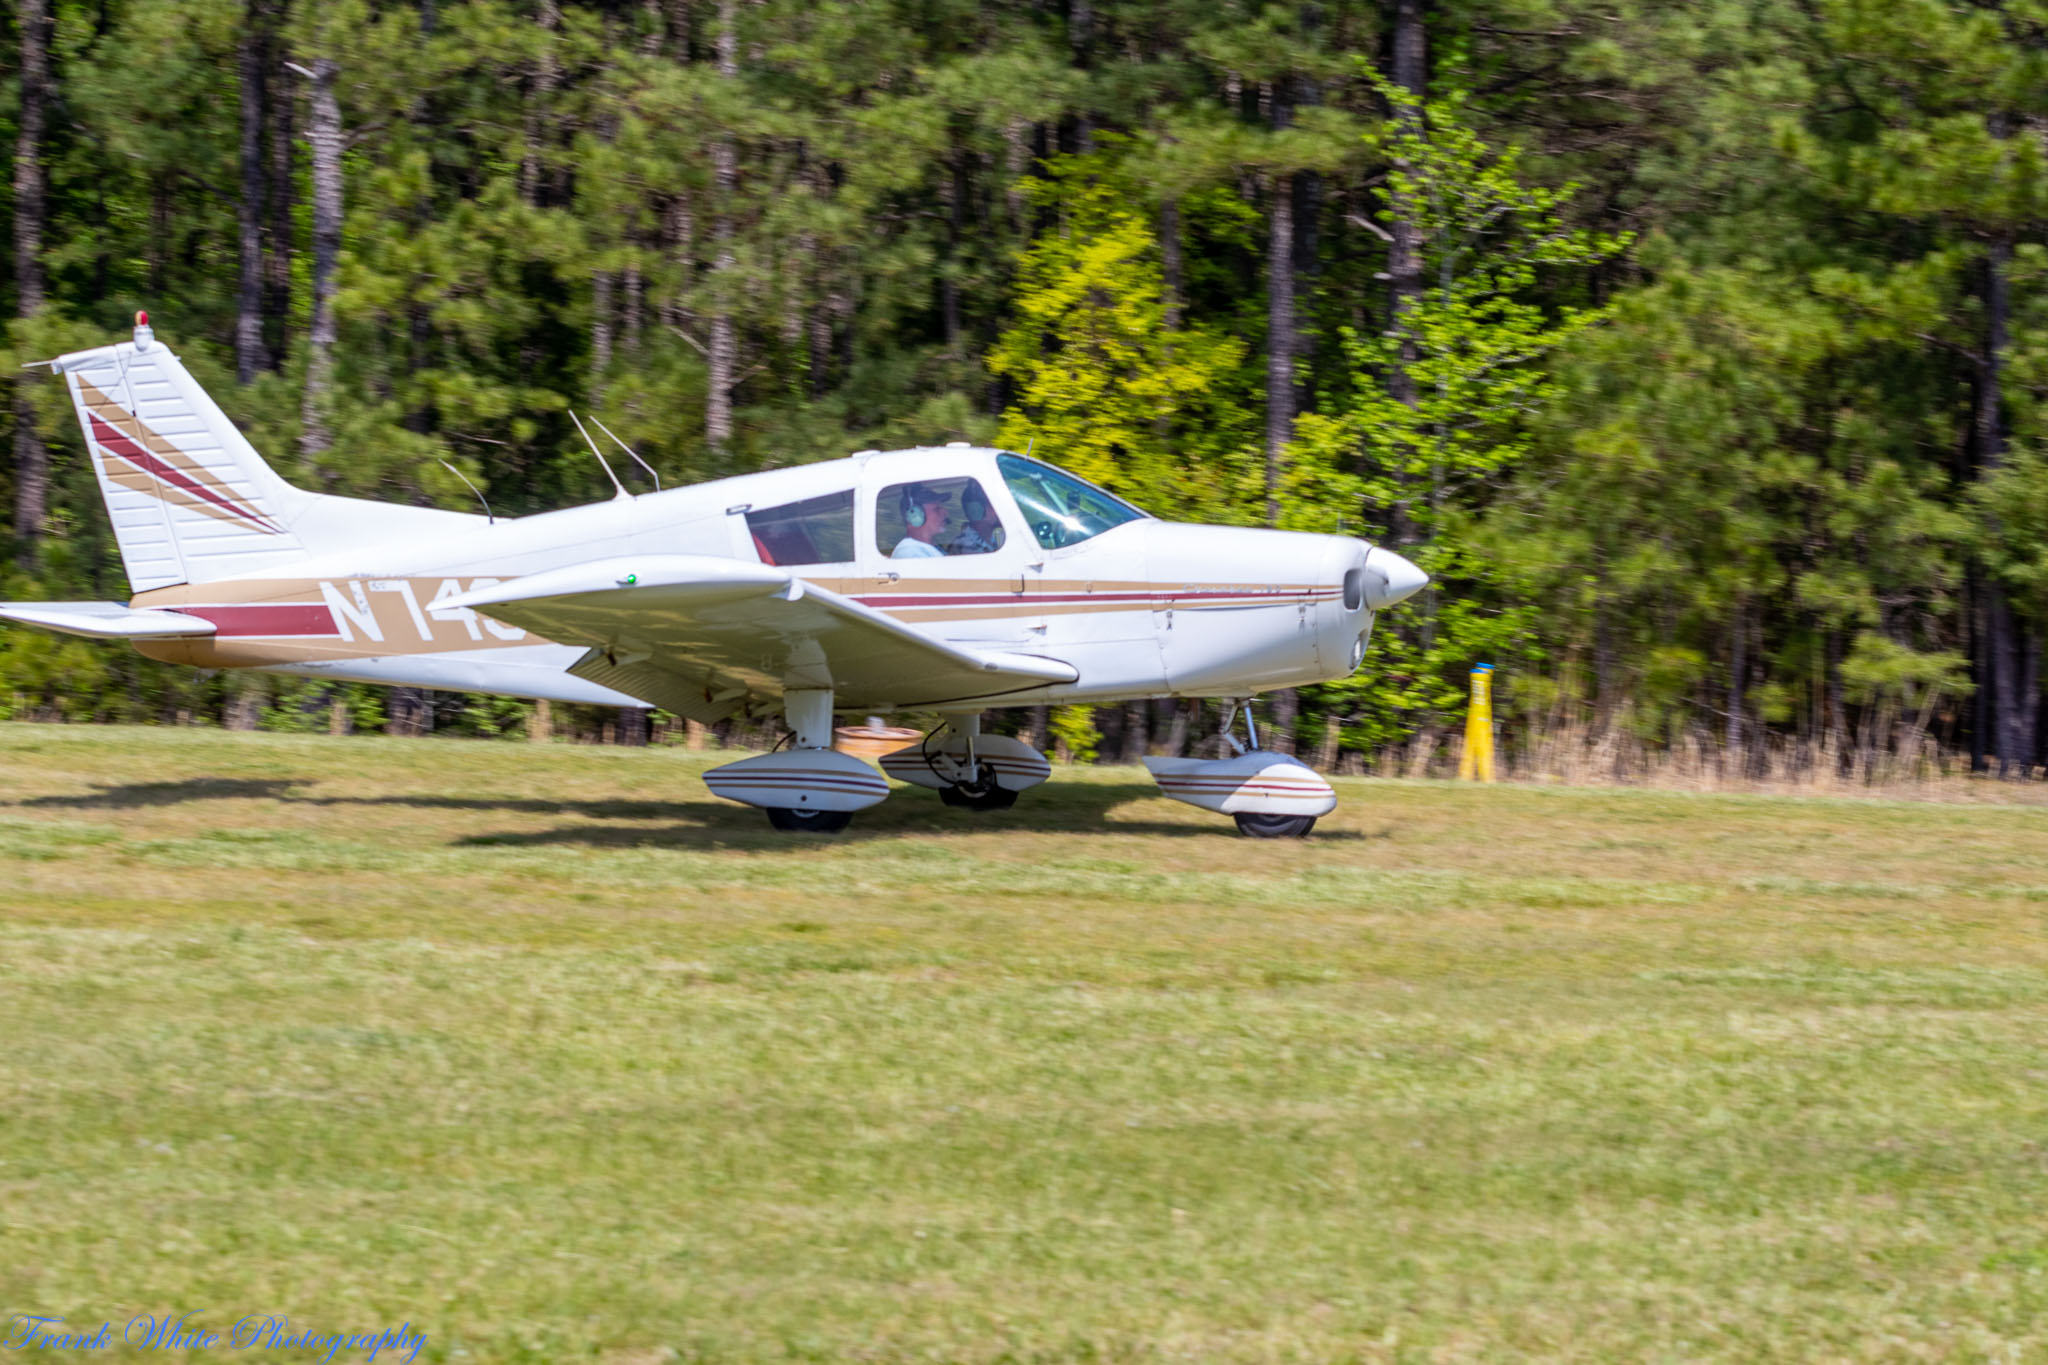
550 1054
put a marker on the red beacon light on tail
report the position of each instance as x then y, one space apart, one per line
143 335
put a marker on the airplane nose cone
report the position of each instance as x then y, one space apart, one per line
1401 578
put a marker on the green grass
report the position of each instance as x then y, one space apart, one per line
547 1052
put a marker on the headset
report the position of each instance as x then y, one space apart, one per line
910 505
973 502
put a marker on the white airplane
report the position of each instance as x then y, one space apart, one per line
951 580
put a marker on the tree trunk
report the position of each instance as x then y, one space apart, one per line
254 63
1016 158
1279 337
324 141
280 231
531 171
1169 251
1135 737
1184 712
633 727
2009 647
1737 662
1280 721
409 712
1081 36
1404 254
600 333
723 345
632 308
31 460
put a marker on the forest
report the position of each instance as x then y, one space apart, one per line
1695 347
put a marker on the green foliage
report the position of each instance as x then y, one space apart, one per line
1736 471
1417 462
1074 732
1104 386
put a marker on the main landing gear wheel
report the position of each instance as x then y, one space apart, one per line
1258 826
987 795
790 820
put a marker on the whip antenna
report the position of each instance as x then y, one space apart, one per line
630 451
600 457
489 515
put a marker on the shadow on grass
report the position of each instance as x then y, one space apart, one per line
134 795
1080 808
717 824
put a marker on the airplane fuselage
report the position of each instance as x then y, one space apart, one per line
1141 608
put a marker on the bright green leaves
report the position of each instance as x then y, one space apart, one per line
1102 385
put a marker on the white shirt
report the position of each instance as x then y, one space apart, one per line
912 548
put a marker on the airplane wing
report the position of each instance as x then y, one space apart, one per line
107 620
700 635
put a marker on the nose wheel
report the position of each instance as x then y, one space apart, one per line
1270 796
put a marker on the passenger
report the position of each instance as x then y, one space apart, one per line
924 517
984 530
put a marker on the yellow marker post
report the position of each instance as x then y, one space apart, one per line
1477 762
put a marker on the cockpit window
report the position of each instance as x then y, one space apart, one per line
937 518
814 531
1059 508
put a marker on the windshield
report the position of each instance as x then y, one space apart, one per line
1059 508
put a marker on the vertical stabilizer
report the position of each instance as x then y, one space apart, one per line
189 497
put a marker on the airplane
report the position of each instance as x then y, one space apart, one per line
953 580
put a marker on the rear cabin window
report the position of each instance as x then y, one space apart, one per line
814 531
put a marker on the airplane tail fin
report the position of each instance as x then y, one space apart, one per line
190 499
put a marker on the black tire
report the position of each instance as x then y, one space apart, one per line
993 796
1261 826
790 820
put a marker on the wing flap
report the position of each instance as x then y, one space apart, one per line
715 631
107 620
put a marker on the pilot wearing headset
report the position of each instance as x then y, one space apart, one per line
924 516
983 533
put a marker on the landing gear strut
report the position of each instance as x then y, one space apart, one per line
969 770
1261 824
983 794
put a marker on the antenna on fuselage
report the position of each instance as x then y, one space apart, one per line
489 515
630 451
600 457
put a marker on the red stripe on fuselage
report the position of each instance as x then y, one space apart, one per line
289 618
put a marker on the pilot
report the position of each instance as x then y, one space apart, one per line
984 531
924 517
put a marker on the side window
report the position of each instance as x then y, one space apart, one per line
935 519
814 531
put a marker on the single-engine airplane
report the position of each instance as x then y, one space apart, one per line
952 579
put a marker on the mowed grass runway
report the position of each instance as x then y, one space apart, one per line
549 1053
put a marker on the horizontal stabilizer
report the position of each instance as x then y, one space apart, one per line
107 620
710 630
